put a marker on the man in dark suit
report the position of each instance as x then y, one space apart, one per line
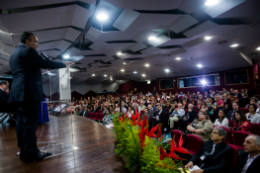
189 117
230 114
26 93
215 156
4 106
160 116
81 111
249 159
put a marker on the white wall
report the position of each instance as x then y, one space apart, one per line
83 88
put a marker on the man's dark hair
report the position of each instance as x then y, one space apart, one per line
3 82
26 36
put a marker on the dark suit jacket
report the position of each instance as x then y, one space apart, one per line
192 115
4 105
80 113
220 161
26 66
243 156
162 116
229 114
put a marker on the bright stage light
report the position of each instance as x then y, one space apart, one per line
203 82
66 56
211 2
102 16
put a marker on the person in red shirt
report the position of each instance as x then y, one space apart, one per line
220 103
241 122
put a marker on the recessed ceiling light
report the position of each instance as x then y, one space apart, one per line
167 70
93 74
152 38
258 48
66 56
122 70
211 2
178 58
135 72
111 78
124 63
105 75
146 65
234 45
70 77
143 75
199 65
207 37
148 82
119 53
102 16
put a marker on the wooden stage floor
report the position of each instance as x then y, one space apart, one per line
93 148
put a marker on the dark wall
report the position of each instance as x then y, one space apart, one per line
250 85
140 86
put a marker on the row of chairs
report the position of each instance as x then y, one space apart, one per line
97 116
194 143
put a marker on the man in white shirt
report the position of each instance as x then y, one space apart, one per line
249 159
181 95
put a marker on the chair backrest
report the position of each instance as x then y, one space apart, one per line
91 114
235 150
181 97
245 110
194 142
101 116
176 134
96 115
239 137
228 136
230 123
185 111
255 128
167 109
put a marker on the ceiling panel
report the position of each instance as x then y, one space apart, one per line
200 29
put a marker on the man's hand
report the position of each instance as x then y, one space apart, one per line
68 62
189 165
198 171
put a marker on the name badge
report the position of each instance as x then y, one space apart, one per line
202 157
157 117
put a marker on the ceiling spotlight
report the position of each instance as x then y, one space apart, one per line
258 48
167 70
152 38
146 65
199 65
124 63
66 56
143 75
70 77
234 45
148 82
178 58
203 82
105 75
211 2
135 72
122 70
207 38
102 16
111 78
119 53
93 75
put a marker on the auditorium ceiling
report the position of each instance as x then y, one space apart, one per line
135 39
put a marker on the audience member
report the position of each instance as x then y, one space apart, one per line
86 112
231 113
252 116
215 156
241 122
176 115
160 116
221 120
81 111
249 159
201 126
252 100
107 118
188 118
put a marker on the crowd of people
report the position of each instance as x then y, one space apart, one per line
193 113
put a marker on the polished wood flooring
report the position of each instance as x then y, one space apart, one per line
93 148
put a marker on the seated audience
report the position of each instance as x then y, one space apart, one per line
252 101
215 156
184 104
160 116
201 126
212 107
95 109
107 118
220 103
172 108
241 122
146 113
176 115
231 113
226 101
252 116
129 112
221 120
86 112
188 118
249 159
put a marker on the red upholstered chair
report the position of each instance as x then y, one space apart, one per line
194 143
239 138
228 137
235 154
96 114
230 123
181 97
185 111
100 116
176 134
167 110
255 128
91 115
99 111
245 110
